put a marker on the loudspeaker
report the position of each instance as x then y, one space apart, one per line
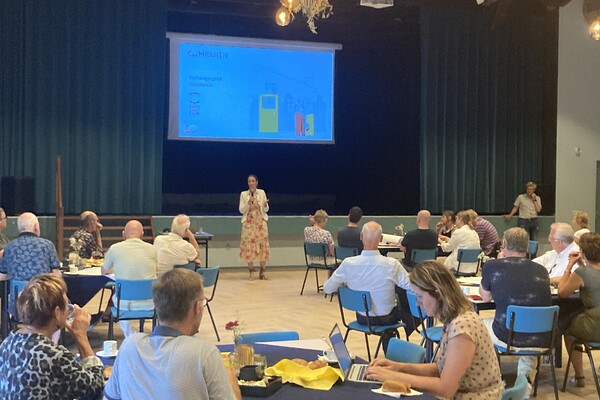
17 194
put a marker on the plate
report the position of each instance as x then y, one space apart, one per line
327 359
397 395
101 353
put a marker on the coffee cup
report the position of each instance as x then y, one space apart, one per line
110 347
330 355
466 290
73 269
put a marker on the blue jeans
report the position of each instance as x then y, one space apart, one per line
531 226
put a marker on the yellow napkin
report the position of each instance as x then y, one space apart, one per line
320 378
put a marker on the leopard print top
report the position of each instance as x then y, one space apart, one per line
32 367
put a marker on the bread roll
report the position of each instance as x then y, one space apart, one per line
300 361
395 386
317 364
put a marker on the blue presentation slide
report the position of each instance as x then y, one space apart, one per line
255 94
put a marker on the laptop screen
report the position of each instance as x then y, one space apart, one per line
340 349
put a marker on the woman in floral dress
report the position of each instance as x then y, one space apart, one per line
254 245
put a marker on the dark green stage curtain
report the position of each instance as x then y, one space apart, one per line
484 100
84 80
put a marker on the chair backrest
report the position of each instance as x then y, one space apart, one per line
210 276
251 338
468 255
532 249
315 249
415 310
342 253
420 255
530 319
191 266
16 287
518 391
354 300
403 351
139 289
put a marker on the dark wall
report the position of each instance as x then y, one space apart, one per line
374 162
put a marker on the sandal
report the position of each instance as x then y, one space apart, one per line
251 276
263 275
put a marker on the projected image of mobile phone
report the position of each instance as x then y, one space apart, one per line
310 125
268 113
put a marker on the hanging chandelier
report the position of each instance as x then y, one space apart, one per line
311 9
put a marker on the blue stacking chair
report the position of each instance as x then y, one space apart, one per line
587 347
140 289
16 287
432 334
518 391
210 279
191 266
341 253
534 321
468 256
251 338
404 351
420 255
532 249
315 250
360 301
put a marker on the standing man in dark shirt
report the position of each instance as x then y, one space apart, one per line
350 235
514 279
421 238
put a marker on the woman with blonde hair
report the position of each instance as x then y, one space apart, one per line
580 224
31 365
318 234
466 367
464 237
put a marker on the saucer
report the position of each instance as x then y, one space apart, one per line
101 353
327 359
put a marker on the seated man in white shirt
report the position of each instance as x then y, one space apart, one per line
556 260
172 363
131 259
375 273
173 250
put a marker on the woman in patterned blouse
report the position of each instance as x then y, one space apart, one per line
31 366
466 367
317 234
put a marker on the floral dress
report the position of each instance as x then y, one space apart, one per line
255 237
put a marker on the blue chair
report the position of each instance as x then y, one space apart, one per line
341 253
251 338
432 334
518 391
418 256
16 287
532 249
316 250
587 347
404 351
360 301
191 266
539 321
210 279
468 256
128 290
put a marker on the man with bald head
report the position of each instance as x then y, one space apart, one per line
29 254
421 238
173 250
373 272
131 259
556 260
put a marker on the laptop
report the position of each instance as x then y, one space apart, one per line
352 372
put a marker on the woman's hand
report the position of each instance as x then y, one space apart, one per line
574 258
442 238
80 324
381 373
385 363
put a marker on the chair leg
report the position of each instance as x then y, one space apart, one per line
564 387
368 350
378 347
153 322
537 376
213 322
304 282
317 279
346 335
553 378
437 348
111 335
142 321
594 373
